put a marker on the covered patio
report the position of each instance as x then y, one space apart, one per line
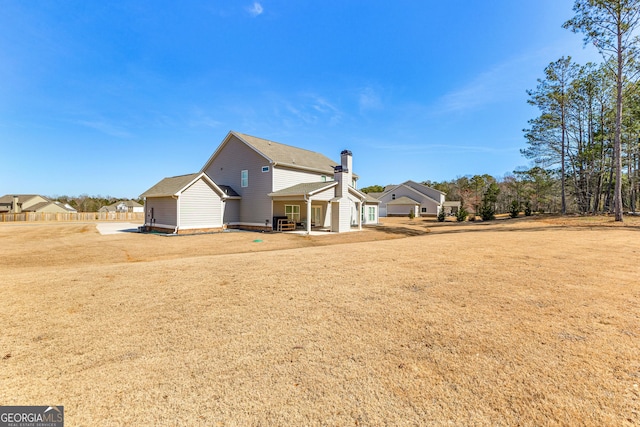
311 207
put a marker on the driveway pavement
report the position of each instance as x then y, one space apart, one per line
117 227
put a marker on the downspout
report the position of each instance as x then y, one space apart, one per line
223 206
362 210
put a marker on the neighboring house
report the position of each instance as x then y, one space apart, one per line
400 200
123 206
32 203
253 183
452 208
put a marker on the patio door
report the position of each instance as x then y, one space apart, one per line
316 216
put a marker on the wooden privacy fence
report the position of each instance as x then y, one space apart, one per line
77 216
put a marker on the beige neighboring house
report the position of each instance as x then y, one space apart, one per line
257 184
20 203
123 206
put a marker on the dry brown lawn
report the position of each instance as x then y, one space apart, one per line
515 322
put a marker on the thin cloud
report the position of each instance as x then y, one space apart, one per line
369 99
106 128
311 110
256 9
199 118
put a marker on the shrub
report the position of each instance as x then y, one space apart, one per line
411 214
514 210
462 214
441 215
527 208
487 212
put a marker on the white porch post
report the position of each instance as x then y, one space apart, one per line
360 213
309 215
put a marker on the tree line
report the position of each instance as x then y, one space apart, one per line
86 203
584 146
587 135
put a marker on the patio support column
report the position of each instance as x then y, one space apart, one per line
308 216
360 212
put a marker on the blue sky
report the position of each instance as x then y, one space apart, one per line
107 98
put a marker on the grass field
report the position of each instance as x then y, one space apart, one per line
517 322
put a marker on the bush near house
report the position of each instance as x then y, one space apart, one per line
462 214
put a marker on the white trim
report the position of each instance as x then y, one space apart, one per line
299 213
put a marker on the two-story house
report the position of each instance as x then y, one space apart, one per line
253 183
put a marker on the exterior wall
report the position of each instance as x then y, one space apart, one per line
341 213
200 207
400 210
234 157
431 207
164 212
395 210
231 212
285 178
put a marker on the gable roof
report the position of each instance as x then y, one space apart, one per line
280 154
420 189
127 203
174 185
8 198
170 186
403 201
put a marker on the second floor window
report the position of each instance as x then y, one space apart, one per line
244 178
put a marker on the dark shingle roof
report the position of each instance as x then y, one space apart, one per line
173 185
403 201
8 198
287 155
304 188
170 186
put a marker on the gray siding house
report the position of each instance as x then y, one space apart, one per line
400 200
253 183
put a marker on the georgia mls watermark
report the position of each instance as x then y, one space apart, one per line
31 416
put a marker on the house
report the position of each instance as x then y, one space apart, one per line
32 203
257 184
123 206
410 196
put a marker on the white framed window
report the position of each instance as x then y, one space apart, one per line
244 178
292 212
393 197
323 178
265 169
372 213
424 210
